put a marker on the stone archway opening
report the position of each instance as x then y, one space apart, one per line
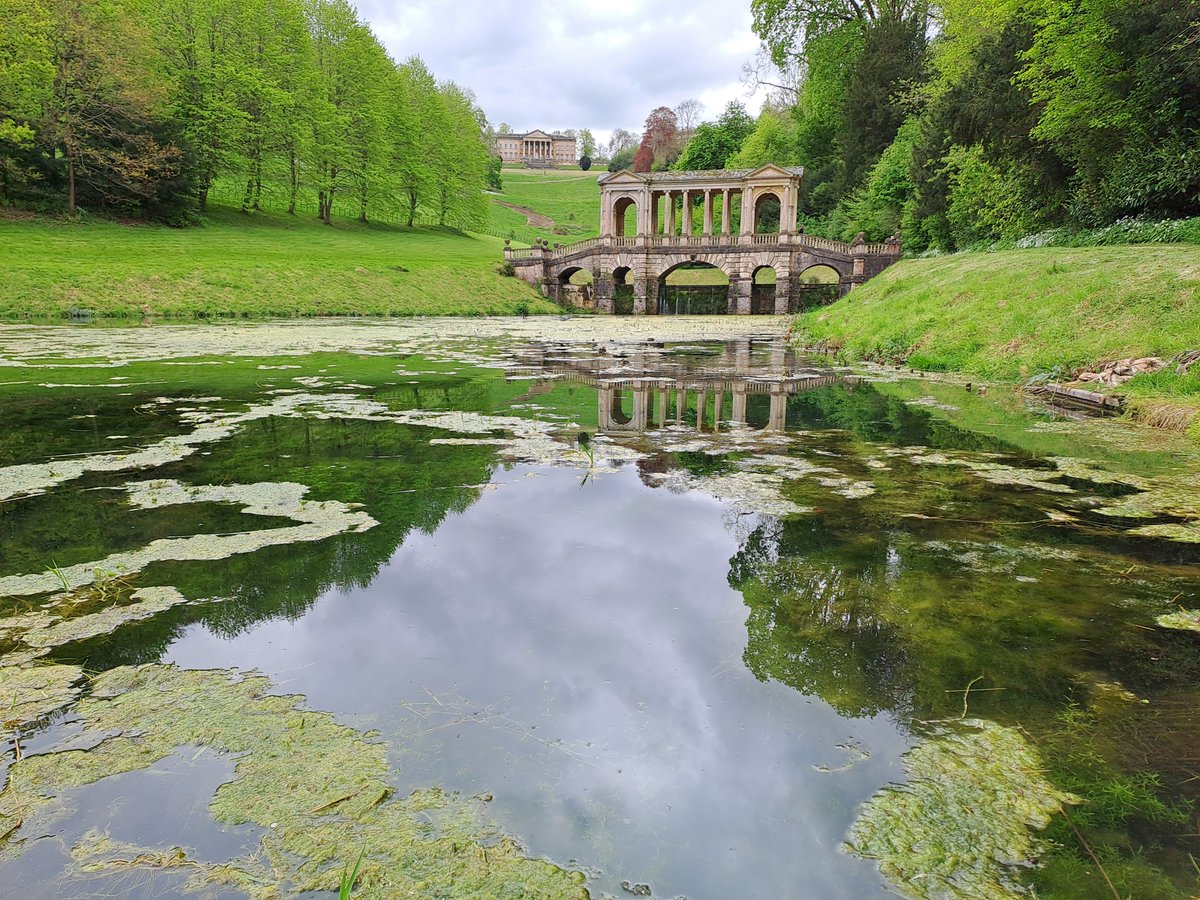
766 214
622 291
625 216
693 288
818 285
620 413
575 288
762 291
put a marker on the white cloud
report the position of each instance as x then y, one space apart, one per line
599 64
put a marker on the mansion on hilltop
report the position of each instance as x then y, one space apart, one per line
536 148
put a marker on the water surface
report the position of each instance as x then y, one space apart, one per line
667 642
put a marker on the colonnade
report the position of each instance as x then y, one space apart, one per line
536 149
665 222
652 404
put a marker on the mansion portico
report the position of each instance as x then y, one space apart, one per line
536 147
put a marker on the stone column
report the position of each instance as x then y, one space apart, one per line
708 213
718 402
680 404
783 294
662 407
602 285
640 286
687 215
604 418
778 416
701 408
740 394
653 214
641 412
725 212
747 213
740 289
670 213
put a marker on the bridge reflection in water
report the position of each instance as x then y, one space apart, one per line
651 386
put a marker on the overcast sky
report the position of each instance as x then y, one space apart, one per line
599 64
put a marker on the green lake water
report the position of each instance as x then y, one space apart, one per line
547 607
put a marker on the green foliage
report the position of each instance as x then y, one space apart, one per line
773 140
715 142
1030 114
142 106
881 206
1120 100
622 159
494 182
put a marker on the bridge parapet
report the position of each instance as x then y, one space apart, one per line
890 247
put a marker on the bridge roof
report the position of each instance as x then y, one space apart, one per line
708 176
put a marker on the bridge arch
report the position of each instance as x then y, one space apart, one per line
577 275
620 209
819 283
693 286
767 213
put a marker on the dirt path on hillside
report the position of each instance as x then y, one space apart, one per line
533 219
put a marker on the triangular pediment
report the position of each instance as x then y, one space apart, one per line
770 170
537 135
622 177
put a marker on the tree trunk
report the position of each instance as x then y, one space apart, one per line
247 196
412 207
293 183
70 183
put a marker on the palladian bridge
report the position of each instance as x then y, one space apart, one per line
741 222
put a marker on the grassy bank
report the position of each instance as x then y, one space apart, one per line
269 264
570 198
1013 314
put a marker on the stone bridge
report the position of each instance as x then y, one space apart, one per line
743 239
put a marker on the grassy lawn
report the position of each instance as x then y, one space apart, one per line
1016 313
266 265
570 197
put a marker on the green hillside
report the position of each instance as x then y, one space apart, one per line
569 197
1017 313
269 264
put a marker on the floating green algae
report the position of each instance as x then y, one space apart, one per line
317 521
316 788
30 693
59 629
961 825
1186 619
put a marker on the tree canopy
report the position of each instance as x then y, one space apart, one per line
141 106
965 121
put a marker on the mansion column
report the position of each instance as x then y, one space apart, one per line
708 213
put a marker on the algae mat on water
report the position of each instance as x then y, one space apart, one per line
961 825
315 816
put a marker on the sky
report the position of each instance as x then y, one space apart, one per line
598 64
